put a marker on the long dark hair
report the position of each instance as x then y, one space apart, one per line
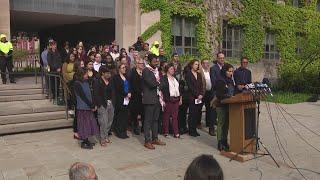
204 167
225 68
67 60
80 73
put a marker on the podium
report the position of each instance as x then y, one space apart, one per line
242 126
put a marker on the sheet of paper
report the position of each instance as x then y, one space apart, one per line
126 101
197 101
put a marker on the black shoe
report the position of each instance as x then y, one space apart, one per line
193 134
86 145
4 82
226 145
136 131
126 136
13 82
110 133
184 130
212 131
220 146
197 133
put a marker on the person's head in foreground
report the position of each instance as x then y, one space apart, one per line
82 171
204 167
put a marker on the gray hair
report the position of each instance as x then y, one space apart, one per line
80 171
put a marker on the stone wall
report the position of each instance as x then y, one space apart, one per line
5 18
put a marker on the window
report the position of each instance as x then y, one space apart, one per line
270 51
297 3
184 36
318 5
232 40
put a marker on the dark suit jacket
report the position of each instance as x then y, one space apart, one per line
214 75
149 87
195 86
136 86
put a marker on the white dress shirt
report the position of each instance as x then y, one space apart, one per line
96 66
173 87
208 80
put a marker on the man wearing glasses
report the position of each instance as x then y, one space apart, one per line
242 76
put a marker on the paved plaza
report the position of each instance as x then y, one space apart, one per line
49 154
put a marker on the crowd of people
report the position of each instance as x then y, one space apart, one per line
113 90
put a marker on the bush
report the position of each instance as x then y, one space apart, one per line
293 79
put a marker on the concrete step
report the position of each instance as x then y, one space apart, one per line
21 97
24 118
28 107
5 87
34 126
14 92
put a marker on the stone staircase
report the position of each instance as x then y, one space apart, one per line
24 108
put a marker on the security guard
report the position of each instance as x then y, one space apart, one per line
6 51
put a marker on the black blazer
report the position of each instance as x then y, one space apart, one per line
102 92
165 88
214 75
136 85
195 86
54 60
119 90
149 87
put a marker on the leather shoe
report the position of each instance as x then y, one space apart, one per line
149 146
158 142
212 131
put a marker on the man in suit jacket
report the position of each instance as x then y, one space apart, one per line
215 74
216 69
151 99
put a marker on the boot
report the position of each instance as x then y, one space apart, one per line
86 144
212 131
225 145
220 146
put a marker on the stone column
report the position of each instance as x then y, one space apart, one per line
127 22
5 18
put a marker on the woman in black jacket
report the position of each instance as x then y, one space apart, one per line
195 91
102 95
172 99
122 98
225 87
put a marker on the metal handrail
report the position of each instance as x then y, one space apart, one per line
46 87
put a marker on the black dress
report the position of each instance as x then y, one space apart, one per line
136 107
121 114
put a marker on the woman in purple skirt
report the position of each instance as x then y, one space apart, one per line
86 123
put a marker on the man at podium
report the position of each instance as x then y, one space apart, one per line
225 88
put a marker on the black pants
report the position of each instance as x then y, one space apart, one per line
211 114
4 66
121 118
151 119
195 115
136 108
182 116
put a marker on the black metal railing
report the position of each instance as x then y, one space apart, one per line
53 87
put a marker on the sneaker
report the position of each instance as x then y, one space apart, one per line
71 112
